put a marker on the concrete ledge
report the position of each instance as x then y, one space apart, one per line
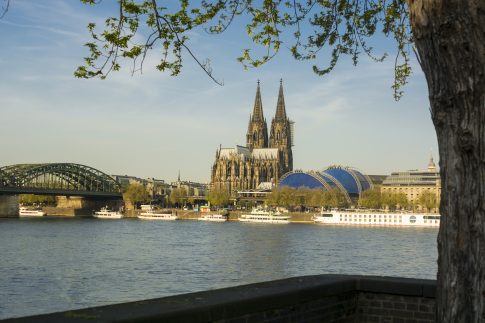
319 296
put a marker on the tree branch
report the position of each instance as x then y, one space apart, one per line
4 9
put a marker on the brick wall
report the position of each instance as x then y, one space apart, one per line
322 298
394 308
339 308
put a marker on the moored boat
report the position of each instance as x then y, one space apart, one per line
25 212
106 213
377 218
152 214
263 216
213 217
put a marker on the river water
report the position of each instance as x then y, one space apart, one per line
55 264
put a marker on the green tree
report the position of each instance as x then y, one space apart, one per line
219 197
315 198
287 198
301 197
402 201
178 196
371 198
334 198
394 200
137 194
449 43
428 200
273 198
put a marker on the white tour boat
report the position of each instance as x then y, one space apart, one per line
106 213
25 212
377 218
152 214
262 216
214 217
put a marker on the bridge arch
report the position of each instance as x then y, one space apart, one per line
58 176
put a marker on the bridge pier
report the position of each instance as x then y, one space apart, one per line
9 206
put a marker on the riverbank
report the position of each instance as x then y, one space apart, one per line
232 216
295 217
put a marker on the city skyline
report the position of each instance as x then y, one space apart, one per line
153 125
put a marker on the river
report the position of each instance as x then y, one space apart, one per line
56 264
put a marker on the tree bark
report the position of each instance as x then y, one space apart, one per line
450 39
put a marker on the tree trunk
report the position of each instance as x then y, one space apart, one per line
450 38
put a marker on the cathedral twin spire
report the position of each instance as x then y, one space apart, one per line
258 107
280 106
268 163
257 135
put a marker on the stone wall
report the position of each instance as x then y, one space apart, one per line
322 298
80 206
9 206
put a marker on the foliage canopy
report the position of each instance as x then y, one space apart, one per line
178 196
218 197
342 27
136 193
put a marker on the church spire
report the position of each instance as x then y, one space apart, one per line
257 135
258 106
281 135
280 106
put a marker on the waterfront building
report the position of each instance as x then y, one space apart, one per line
348 180
414 182
158 189
377 179
197 192
126 180
264 159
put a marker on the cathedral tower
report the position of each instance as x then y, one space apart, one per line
281 134
260 162
257 135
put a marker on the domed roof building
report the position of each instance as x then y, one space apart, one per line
350 181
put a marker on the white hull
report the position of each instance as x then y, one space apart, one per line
378 219
265 220
213 218
108 216
259 216
157 216
105 213
24 213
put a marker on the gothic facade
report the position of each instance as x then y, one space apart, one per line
261 161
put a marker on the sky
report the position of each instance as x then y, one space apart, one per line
153 125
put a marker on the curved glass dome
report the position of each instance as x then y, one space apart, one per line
300 179
349 180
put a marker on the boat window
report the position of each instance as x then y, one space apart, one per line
412 219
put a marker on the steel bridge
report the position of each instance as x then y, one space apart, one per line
63 179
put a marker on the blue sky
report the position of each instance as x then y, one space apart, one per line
153 124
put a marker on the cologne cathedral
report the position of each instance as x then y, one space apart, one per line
262 162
